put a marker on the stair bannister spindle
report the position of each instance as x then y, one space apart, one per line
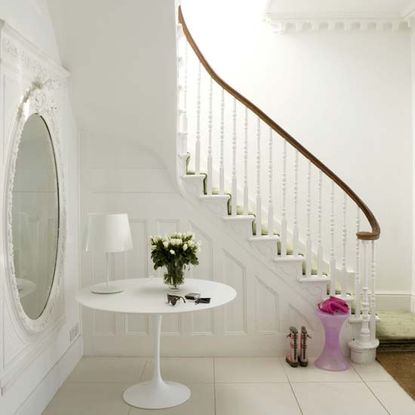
234 181
344 249
357 270
308 251
320 225
198 115
222 144
258 219
364 337
284 202
209 177
183 127
373 293
332 264
246 200
271 187
295 222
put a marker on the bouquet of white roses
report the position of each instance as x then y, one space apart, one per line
175 252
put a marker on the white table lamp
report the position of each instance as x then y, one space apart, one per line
108 233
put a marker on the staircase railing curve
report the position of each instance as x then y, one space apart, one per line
324 255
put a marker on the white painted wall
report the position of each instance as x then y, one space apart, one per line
345 96
122 59
33 367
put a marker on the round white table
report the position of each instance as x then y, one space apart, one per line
149 296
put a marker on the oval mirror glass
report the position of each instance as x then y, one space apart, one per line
35 216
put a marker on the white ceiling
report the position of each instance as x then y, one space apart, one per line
363 8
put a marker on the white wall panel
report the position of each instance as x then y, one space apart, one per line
235 312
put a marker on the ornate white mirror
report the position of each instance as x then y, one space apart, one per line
35 214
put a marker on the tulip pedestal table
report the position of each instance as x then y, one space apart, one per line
148 296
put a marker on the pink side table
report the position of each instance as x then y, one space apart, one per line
331 358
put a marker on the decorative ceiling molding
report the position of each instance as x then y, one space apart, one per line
295 17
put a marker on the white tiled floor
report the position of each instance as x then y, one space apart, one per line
233 386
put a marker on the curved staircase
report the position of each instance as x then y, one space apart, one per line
274 196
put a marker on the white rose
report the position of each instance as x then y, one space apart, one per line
166 244
172 252
184 247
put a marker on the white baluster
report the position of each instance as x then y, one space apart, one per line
295 222
332 264
373 294
284 201
344 248
234 182
364 337
209 177
320 225
185 92
258 219
222 144
198 115
270 189
246 202
308 251
357 271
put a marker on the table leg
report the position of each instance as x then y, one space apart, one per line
157 393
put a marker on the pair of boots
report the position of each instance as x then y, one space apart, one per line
297 357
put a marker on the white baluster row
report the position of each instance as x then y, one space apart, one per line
234 200
258 219
246 194
198 116
295 221
308 251
320 225
222 144
283 234
209 177
270 186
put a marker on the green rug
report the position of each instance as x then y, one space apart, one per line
396 325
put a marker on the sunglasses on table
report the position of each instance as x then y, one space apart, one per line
173 299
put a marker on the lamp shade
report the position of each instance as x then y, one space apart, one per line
108 233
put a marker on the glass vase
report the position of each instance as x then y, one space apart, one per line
174 275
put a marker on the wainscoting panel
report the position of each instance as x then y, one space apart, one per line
255 323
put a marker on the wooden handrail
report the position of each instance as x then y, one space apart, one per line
375 232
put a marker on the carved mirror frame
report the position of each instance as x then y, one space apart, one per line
39 99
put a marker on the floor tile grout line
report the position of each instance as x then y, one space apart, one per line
214 385
296 398
371 391
283 362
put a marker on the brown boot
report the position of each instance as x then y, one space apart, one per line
292 356
303 359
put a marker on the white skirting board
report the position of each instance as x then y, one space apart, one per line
39 399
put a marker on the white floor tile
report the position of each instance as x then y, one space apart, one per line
255 399
108 369
393 397
201 402
249 369
339 398
184 370
372 372
82 398
314 374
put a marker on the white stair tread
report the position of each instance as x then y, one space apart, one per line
264 238
240 218
214 197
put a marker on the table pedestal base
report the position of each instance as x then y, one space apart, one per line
157 393
150 395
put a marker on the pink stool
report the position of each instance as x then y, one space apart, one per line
331 358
